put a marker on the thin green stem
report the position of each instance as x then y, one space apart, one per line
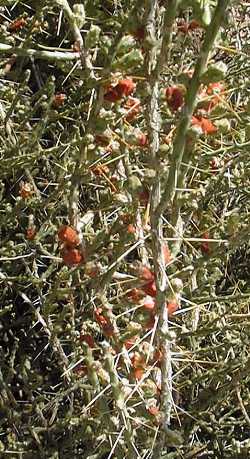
180 138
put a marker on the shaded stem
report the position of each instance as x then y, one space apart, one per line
43 54
153 125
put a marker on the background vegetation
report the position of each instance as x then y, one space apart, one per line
125 135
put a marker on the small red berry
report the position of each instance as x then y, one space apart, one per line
130 342
87 338
131 229
125 87
205 248
59 99
31 233
135 295
154 410
214 165
112 95
150 288
25 190
139 33
175 97
206 125
193 25
104 322
172 306
71 256
142 140
149 303
133 106
108 329
166 254
17 24
144 273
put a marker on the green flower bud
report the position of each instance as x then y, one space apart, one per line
164 149
149 174
106 114
194 132
121 198
201 10
79 13
134 328
132 59
150 43
150 389
206 15
134 184
126 44
173 437
223 125
92 36
177 284
214 73
233 223
106 44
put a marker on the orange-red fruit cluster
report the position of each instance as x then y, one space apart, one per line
70 254
212 96
59 99
104 323
133 105
25 190
130 342
206 125
68 235
186 27
138 363
174 97
17 24
124 87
